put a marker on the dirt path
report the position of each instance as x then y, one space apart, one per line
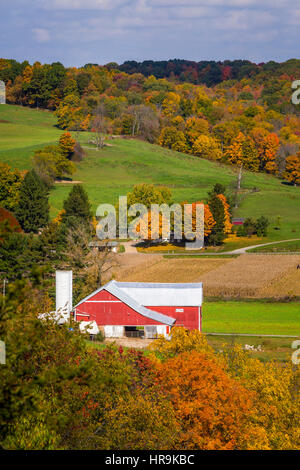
130 247
246 248
68 182
238 251
140 343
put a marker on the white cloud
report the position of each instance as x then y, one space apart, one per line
41 35
221 3
81 4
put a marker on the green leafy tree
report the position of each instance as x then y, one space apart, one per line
148 194
262 224
216 207
218 189
33 208
49 163
249 227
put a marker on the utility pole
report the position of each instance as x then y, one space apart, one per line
3 292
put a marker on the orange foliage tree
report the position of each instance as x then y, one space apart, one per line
151 231
267 144
292 169
213 410
209 221
243 153
227 222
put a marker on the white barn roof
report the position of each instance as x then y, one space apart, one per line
163 294
141 294
114 289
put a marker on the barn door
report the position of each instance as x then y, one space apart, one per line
150 331
113 331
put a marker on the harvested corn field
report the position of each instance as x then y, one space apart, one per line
155 268
286 286
249 275
256 276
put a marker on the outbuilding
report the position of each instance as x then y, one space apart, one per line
142 309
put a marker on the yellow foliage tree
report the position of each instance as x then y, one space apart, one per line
206 146
276 400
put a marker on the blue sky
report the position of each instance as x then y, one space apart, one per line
76 32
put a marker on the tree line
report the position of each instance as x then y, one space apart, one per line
247 121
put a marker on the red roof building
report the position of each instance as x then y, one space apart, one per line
142 309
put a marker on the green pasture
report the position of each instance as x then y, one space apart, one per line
113 171
259 318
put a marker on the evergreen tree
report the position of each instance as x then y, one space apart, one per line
262 224
249 227
77 206
218 189
216 207
19 255
33 208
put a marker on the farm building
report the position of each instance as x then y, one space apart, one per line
142 309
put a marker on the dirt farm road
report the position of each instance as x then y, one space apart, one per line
131 248
246 248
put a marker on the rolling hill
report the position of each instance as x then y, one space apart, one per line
112 171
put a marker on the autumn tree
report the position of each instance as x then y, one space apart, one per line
148 194
99 125
173 138
143 121
276 396
267 144
8 222
69 112
66 145
242 152
171 104
227 220
209 221
194 127
292 169
10 183
214 411
206 146
49 163
181 340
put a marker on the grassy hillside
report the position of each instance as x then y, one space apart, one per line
22 130
113 171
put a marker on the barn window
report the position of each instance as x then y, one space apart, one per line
134 331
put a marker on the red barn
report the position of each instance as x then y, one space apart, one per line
142 309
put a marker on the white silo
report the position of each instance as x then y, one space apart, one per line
64 287
2 93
